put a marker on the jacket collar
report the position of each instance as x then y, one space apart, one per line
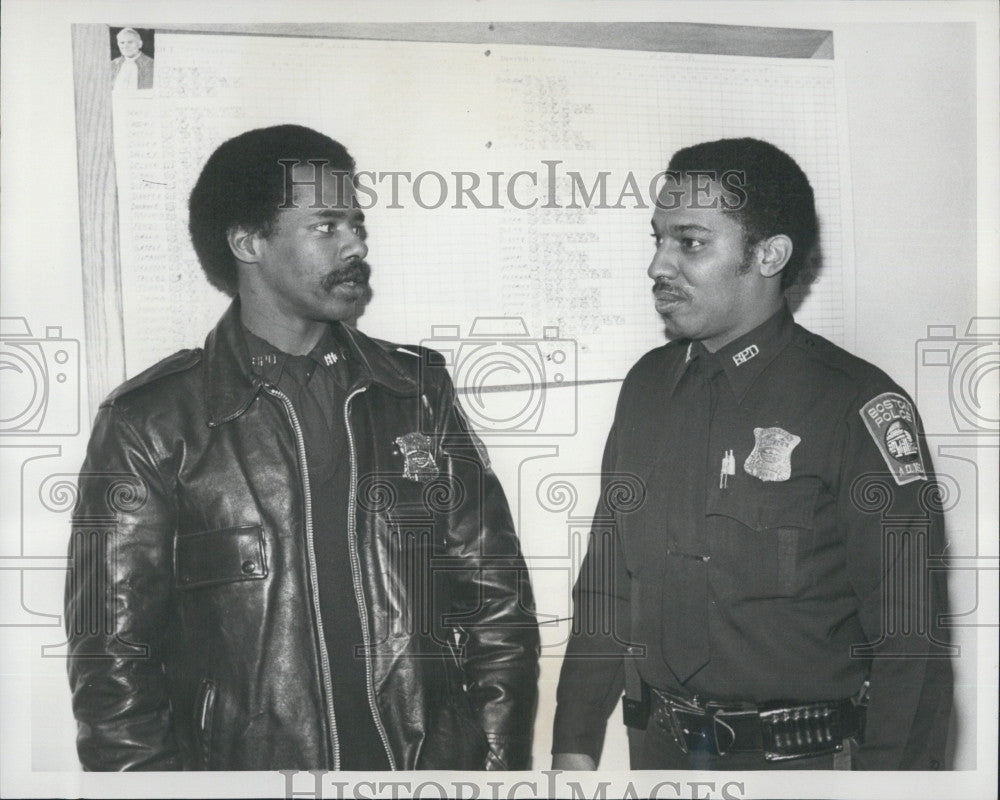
231 385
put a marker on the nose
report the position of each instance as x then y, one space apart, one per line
354 247
664 263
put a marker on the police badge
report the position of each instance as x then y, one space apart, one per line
771 459
418 461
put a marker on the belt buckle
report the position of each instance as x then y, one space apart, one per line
719 714
704 728
675 716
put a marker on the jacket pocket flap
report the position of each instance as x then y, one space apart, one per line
219 556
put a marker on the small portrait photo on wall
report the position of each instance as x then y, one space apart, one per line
132 58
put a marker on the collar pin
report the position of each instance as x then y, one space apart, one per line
745 355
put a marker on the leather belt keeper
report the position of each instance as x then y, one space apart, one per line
781 731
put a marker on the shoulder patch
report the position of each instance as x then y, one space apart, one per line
892 423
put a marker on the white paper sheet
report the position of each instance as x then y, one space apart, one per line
569 269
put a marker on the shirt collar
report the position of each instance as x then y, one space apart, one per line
269 362
745 358
231 385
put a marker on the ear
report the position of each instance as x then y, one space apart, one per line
245 244
773 254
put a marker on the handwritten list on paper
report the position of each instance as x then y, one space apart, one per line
514 184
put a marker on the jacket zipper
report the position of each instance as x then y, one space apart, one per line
324 657
352 546
205 710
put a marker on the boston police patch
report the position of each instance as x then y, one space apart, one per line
893 425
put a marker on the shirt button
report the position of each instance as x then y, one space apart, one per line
249 567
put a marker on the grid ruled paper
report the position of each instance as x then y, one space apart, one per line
538 126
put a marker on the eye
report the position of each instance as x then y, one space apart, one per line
326 227
691 244
657 239
360 231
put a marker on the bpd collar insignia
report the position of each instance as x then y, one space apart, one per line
771 459
745 355
418 460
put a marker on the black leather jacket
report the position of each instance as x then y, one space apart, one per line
193 619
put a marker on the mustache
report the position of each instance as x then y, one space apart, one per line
662 285
357 271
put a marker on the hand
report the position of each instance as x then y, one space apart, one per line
573 762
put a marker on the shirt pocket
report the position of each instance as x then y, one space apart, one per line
225 555
758 533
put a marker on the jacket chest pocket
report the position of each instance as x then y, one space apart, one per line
227 555
757 533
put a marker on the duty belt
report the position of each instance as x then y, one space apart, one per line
780 730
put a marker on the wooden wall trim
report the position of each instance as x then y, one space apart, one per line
102 294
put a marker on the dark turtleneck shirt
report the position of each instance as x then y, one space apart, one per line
317 385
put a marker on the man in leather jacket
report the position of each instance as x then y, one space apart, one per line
289 549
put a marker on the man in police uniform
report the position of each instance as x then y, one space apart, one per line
768 603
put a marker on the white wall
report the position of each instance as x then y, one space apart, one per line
925 254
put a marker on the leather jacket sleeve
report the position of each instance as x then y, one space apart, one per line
492 603
117 593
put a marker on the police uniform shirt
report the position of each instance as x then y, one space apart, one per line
771 472
317 384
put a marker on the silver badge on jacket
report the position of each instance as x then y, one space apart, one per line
418 460
771 459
